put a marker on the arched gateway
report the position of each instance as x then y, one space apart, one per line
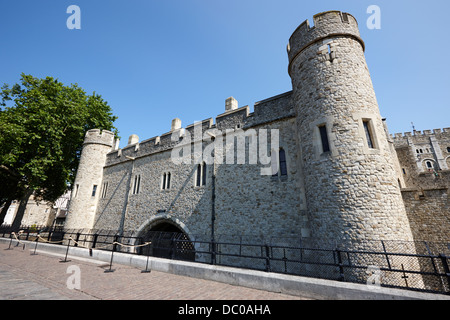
168 241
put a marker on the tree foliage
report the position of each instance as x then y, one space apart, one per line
42 128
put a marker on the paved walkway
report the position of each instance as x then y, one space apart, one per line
24 276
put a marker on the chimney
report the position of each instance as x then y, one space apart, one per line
176 124
133 139
231 104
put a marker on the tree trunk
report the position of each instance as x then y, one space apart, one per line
21 210
4 210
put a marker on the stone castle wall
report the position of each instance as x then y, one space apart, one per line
246 202
426 189
424 157
354 191
428 213
351 189
89 179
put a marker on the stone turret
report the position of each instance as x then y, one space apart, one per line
88 182
350 178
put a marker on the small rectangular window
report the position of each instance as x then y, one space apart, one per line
94 190
168 181
77 187
165 183
204 174
324 138
367 130
137 184
201 175
283 167
105 189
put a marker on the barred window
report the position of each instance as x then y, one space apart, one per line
200 175
165 182
104 190
137 184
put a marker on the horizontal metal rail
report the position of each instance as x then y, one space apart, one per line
411 270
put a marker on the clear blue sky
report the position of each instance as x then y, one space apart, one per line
157 60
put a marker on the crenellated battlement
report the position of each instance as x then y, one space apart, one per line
97 136
323 20
419 134
326 24
268 110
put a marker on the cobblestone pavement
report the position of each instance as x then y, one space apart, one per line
24 276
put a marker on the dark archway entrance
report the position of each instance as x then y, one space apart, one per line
168 241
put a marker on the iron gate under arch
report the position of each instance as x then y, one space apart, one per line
168 241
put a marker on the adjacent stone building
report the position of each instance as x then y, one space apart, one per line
316 162
424 175
40 213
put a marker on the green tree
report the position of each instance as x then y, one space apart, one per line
42 128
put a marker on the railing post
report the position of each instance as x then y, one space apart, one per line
67 251
446 268
284 260
172 247
77 238
116 239
140 250
148 254
341 267
94 241
110 263
10 241
35 247
386 254
267 258
213 252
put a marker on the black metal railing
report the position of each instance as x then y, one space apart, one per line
420 265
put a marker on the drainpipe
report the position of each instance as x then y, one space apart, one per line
213 207
213 215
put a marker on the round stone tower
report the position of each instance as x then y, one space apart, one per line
350 183
88 182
